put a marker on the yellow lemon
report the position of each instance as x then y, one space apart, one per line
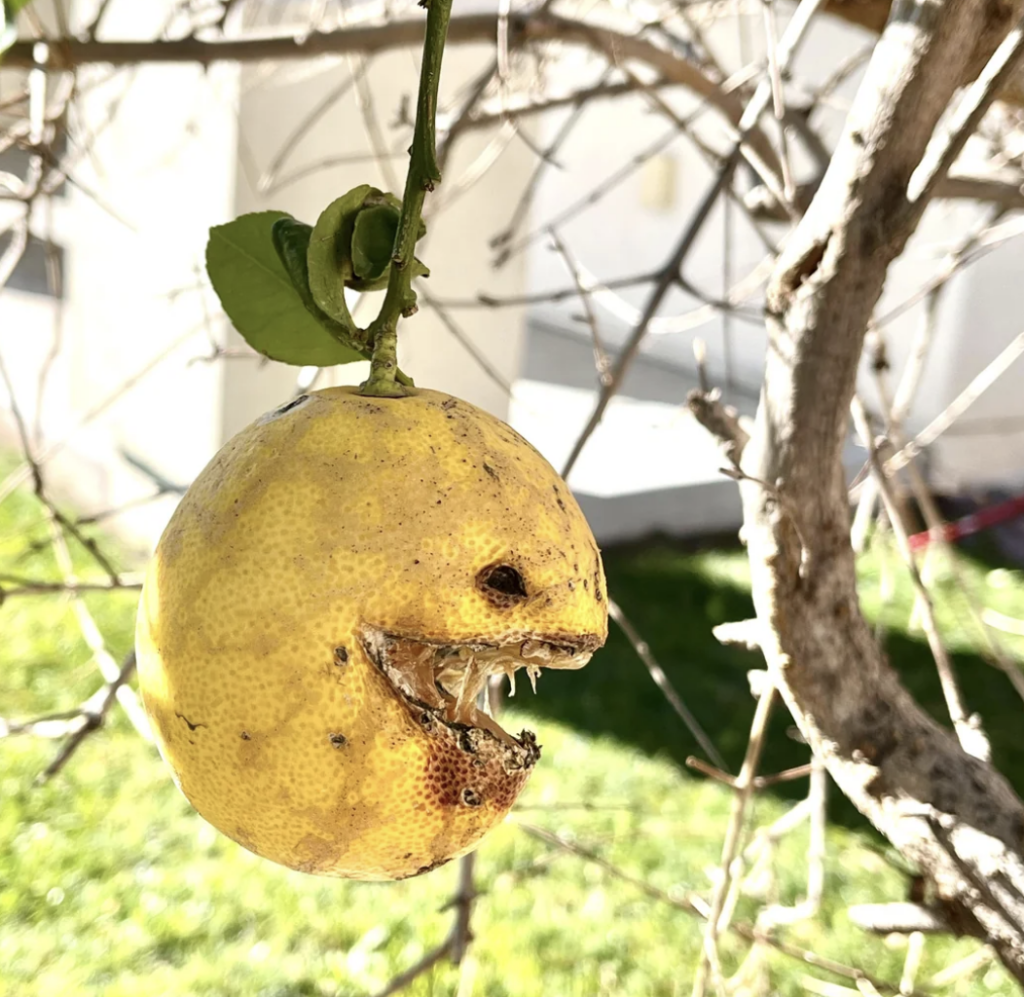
324 608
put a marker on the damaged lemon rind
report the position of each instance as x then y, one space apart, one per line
441 682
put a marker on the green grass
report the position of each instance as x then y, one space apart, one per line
111 885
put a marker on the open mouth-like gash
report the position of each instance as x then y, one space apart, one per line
446 680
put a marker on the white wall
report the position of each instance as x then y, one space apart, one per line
185 150
272 104
159 166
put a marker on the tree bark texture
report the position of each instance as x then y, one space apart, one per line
950 813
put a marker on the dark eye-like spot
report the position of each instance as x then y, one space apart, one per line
502 583
471 797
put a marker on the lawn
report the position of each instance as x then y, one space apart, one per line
111 885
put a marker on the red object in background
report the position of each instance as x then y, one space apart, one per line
974 523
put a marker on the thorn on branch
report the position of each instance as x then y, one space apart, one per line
742 633
900 917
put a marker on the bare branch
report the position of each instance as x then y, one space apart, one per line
721 421
666 280
463 339
661 680
457 941
900 917
948 812
744 789
601 360
693 904
523 29
545 159
944 149
978 386
671 272
33 586
968 726
1007 194
92 719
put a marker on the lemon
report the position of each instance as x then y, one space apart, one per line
324 608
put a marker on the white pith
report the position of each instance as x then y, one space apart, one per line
449 678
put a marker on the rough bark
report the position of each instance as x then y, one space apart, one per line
873 15
950 813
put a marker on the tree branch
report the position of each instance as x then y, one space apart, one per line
951 814
523 29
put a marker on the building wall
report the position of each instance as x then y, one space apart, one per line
179 149
631 229
460 218
130 324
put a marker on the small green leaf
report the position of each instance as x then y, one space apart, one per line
328 259
373 241
291 240
260 298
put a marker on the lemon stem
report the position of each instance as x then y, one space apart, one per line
400 299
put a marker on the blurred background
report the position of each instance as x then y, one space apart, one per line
581 142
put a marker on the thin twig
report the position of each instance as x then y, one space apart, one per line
693 904
963 968
66 524
956 408
92 719
93 637
30 586
817 801
743 791
547 158
458 939
601 361
463 339
667 279
929 509
464 119
269 179
662 681
968 727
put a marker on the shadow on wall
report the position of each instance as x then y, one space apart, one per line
674 607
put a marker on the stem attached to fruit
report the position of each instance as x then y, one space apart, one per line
400 299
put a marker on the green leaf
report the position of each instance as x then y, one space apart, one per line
260 298
291 240
373 241
328 259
